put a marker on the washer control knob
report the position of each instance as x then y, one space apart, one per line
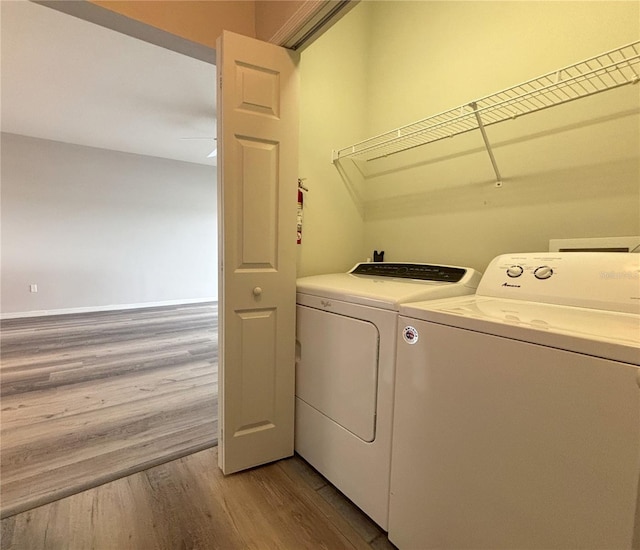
543 272
515 271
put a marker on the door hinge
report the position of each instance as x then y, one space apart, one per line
221 83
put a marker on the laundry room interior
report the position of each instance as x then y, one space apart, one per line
393 171
424 368
569 171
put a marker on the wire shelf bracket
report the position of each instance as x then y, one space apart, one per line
487 144
607 71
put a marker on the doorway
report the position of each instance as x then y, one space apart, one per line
109 246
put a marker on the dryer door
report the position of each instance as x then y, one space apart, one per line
337 368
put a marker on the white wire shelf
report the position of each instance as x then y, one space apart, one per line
597 74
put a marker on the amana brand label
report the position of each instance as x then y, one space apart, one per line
410 335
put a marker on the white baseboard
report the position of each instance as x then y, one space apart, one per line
93 309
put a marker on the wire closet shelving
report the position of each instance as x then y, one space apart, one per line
600 73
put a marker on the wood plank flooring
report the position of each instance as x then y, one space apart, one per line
189 504
88 398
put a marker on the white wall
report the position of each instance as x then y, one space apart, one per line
571 171
98 229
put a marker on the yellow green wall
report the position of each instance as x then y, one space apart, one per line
333 111
571 171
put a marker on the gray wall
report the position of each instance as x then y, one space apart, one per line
98 229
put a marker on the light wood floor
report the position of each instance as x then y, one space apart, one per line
189 504
89 398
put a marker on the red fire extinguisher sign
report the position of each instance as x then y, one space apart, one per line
301 188
300 203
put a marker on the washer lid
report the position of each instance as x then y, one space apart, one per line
385 292
595 332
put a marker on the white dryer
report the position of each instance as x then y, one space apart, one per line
345 369
517 418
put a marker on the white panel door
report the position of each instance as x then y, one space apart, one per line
257 188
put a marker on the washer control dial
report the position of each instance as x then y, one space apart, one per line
515 271
543 272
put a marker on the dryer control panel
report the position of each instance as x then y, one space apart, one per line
420 272
597 280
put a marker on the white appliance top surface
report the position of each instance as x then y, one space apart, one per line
620 328
583 302
386 292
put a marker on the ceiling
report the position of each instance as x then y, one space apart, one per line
69 80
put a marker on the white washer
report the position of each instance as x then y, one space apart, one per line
345 369
517 418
